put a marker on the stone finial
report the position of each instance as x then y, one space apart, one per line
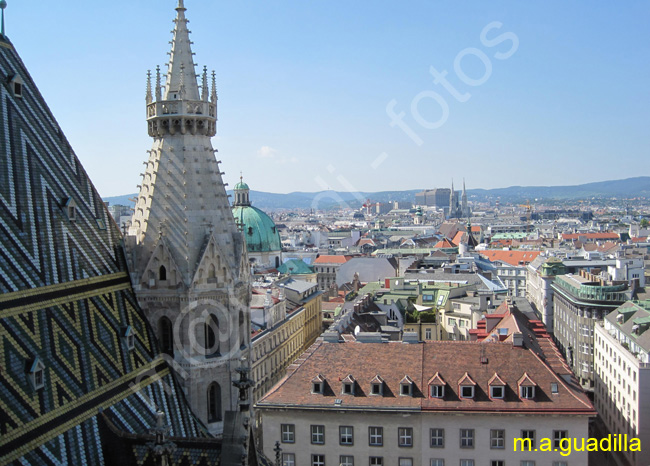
158 87
149 97
204 85
214 87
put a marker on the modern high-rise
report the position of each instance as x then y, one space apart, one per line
187 257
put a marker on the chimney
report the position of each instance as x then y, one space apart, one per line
517 339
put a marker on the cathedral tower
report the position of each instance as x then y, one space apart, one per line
187 256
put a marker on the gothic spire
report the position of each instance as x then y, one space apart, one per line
181 61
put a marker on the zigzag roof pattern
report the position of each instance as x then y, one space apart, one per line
66 300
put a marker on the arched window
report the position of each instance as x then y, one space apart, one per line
277 262
212 272
211 336
214 402
166 336
162 273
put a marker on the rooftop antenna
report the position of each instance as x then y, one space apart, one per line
3 5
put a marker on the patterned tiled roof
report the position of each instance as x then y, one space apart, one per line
66 300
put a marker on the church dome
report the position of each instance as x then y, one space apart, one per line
258 228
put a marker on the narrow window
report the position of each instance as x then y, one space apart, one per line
162 273
214 402
166 335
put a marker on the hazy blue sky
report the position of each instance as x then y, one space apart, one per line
559 94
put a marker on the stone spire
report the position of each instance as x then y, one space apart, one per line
452 200
181 61
464 207
186 255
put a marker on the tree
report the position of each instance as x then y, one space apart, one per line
644 223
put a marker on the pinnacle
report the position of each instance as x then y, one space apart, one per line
180 74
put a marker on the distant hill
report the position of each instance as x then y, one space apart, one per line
628 188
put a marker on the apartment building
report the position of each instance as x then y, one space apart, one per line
540 274
432 403
326 267
622 366
579 302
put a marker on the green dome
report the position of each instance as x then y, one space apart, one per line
258 228
241 185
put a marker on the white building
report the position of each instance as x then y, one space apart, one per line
622 366
433 403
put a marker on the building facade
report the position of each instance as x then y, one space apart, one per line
540 274
326 267
579 302
622 365
187 257
428 403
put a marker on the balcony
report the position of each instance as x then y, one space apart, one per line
190 108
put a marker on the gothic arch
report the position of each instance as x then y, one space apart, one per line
211 336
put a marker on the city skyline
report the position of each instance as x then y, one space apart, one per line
308 93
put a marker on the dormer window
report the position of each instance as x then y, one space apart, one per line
437 391
16 86
377 386
318 385
437 386
36 373
526 387
467 391
129 337
466 386
70 207
406 386
497 391
348 385
497 387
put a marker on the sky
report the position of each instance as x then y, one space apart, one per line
363 96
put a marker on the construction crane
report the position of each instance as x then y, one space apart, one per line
368 206
529 210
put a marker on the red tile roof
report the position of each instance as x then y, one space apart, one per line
450 361
444 244
327 259
511 257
